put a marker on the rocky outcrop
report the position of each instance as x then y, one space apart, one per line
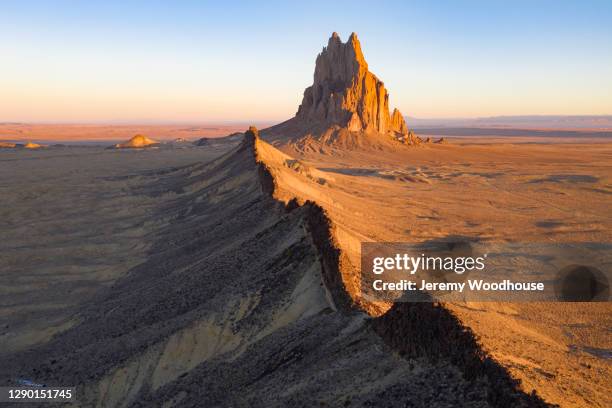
31 145
347 94
231 138
413 330
398 124
317 224
412 139
137 141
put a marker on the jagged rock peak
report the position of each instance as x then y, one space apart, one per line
398 123
345 93
253 131
251 135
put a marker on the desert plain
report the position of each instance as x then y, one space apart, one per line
79 220
226 272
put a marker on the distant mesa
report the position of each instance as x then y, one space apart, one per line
231 138
346 96
179 142
234 136
137 142
205 141
31 145
28 145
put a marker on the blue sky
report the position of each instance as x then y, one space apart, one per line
243 61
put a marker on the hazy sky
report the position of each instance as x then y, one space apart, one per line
227 61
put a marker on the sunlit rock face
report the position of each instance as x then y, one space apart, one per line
398 124
137 141
31 145
345 93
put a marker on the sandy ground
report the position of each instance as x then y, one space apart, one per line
166 277
532 191
194 289
69 226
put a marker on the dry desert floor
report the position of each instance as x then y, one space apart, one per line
153 274
522 190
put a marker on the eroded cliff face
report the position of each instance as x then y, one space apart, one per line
347 94
412 330
398 123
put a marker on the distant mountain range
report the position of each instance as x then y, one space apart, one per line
591 122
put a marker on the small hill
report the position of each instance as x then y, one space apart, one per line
178 143
231 138
31 145
136 142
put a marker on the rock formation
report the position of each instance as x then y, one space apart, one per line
31 145
398 124
137 141
347 94
411 139
231 138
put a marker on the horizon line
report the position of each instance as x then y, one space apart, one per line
237 122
